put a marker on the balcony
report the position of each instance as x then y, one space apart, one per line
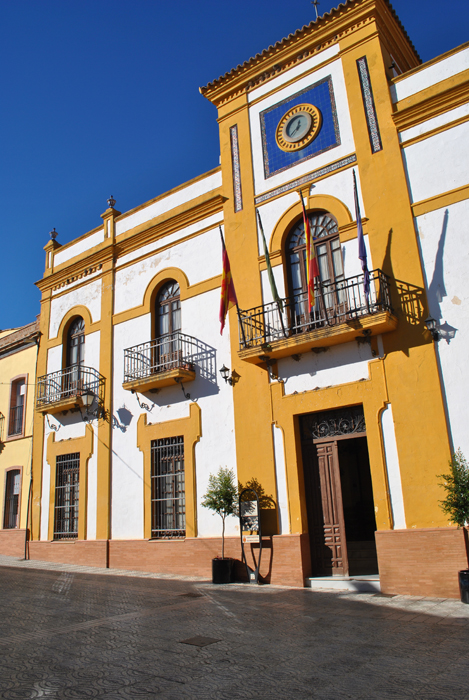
62 390
342 313
162 362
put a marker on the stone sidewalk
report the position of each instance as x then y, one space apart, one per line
79 632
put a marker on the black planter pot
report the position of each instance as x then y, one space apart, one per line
222 570
464 585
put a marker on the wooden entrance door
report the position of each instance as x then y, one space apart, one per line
325 511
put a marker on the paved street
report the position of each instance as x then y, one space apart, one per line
68 632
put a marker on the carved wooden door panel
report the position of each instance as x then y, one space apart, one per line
333 551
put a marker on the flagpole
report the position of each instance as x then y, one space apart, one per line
321 293
361 245
237 306
269 267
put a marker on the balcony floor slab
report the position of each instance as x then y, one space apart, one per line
160 380
373 324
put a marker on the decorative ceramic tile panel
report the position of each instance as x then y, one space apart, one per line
369 104
321 95
238 198
294 184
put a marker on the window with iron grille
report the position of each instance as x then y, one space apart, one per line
12 497
66 496
168 499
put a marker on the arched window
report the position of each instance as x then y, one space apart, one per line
168 309
76 343
325 233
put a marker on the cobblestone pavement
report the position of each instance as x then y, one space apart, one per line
77 632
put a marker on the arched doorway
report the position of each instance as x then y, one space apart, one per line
168 350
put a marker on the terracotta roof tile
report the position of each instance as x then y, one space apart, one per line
327 15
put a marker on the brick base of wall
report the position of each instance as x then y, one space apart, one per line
423 561
285 558
12 542
84 552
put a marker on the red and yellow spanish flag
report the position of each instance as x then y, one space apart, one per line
312 268
228 294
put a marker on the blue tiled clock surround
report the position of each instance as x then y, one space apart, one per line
321 95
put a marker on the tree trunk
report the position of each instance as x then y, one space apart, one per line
223 540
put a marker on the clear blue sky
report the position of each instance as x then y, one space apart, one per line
101 97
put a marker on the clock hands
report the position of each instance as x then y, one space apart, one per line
298 126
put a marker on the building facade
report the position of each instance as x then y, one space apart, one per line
345 412
18 354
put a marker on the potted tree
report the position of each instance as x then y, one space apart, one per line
222 498
456 505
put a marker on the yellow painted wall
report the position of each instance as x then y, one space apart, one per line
407 376
16 451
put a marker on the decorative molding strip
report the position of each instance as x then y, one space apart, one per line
369 105
440 200
238 197
76 278
327 170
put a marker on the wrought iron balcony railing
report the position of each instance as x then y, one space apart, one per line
170 352
336 303
68 383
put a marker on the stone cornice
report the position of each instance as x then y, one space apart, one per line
81 266
164 225
440 98
327 30
92 261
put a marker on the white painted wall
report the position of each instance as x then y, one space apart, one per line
54 359
165 204
200 258
92 350
347 143
172 238
45 493
445 254
281 477
89 295
92 510
393 469
430 124
339 364
71 251
429 75
438 164
296 72
217 445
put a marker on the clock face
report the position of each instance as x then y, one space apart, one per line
298 127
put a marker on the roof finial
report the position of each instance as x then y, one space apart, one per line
111 201
316 3
53 234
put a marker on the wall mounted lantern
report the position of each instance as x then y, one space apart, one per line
430 325
229 378
88 398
